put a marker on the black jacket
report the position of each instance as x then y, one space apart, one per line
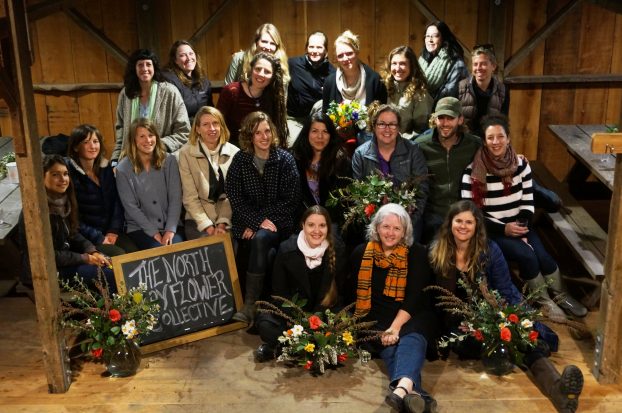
374 89
194 98
306 84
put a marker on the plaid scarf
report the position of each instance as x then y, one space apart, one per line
395 283
484 162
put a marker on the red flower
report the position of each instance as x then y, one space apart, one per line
308 365
369 210
513 318
97 352
315 322
478 335
114 315
533 335
506 334
342 357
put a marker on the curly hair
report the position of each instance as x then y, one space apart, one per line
443 249
195 136
197 77
78 135
331 295
417 84
331 155
159 152
449 42
276 91
48 162
279 53
248 128
130 78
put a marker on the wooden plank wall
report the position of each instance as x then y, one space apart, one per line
589 41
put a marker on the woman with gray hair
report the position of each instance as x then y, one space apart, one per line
392 274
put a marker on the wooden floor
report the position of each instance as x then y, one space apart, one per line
219 375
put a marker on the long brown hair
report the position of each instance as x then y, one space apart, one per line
248 128
279 53
198 75
417 85
443 249
48 162
330 298
78 135
159 152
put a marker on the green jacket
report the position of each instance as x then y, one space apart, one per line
446 168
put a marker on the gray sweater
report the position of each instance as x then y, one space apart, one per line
152 200
169 116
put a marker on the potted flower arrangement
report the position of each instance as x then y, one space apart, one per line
315 341
362 199
110 326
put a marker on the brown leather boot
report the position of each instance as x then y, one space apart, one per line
564 389
254 286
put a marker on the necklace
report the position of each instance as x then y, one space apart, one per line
250 91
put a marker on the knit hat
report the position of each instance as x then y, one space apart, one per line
449 106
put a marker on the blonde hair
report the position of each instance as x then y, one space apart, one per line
159 152
350 39
279 53
194 136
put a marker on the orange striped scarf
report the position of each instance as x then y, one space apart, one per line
395 283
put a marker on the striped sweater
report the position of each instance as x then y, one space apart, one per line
500 208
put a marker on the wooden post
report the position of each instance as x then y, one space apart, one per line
608 352
35 208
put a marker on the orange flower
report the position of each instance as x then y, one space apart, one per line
342 357
506 334
97 352
369 210
533 335
315 322
308 365
290 332
328 333
114 315
478 335
513 318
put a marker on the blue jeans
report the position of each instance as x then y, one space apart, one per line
89 274
144 241
531 260
260 246
405 359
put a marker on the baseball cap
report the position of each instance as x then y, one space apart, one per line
449 106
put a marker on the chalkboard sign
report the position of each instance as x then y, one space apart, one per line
196 284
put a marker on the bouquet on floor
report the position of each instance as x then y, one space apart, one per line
490 320
361 199
104 320
315 341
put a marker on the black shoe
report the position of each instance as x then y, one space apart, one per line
570 387
264 353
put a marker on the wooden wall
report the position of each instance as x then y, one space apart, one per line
589 41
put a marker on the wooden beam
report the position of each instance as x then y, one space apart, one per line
7 89
540 35
607 143
497 22
35 209
196 36
560 79
79 87
145 19
429 14
608 353
99 36
34 12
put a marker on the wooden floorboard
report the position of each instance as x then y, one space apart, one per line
219 375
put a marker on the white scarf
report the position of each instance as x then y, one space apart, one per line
354 92
313 256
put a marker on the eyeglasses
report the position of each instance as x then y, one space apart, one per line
347 55
391 126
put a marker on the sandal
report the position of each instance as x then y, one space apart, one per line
395 401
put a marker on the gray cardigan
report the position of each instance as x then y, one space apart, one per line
169 116
407 161
152 200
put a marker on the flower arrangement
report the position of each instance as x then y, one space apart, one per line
106 319
347 115
317 340
362 199
490 320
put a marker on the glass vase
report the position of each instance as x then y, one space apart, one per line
497 359
124 359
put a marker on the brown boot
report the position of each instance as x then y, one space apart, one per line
254 286
563 390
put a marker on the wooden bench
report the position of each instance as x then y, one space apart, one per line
576 226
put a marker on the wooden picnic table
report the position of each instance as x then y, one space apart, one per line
578 139
10 197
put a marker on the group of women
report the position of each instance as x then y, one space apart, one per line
234 174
